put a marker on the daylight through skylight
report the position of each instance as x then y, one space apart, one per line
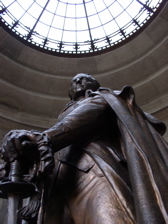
76 26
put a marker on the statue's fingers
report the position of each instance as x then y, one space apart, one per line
29 145
9 145
10 150
22 136
32 136
19 138
18 143
7 136
29 151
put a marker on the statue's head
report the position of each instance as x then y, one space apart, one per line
80 83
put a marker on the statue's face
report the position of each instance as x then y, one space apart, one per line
79 84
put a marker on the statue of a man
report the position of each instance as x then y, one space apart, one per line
110 159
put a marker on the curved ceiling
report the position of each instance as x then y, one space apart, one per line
77 27
33 85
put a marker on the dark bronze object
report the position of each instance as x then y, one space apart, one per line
14 189
110 161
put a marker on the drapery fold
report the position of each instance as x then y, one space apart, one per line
146 154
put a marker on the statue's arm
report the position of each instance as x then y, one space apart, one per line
79 124
76 126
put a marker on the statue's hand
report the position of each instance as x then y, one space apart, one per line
27 146
16 143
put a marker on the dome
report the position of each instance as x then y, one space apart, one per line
77 27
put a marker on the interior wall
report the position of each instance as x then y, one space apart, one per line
34 86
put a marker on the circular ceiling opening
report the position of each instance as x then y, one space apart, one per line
76 27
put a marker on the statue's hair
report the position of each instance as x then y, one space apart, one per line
96 84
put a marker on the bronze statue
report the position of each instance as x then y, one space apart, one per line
110 160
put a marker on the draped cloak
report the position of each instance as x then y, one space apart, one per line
146 153
145 187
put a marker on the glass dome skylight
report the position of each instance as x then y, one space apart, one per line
76 27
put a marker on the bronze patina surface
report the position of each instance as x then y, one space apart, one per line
105 161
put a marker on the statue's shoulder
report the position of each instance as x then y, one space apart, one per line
110 96
125 92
